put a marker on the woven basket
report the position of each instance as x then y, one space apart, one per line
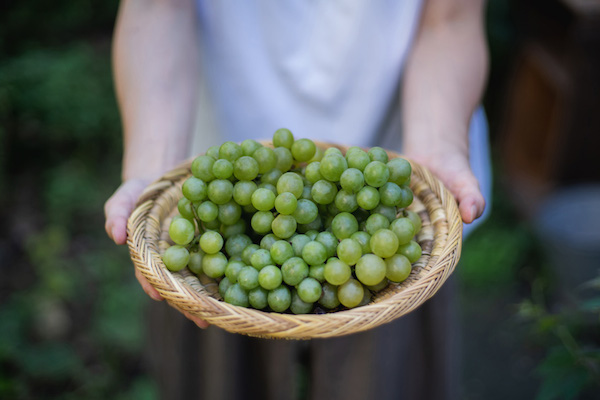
440 239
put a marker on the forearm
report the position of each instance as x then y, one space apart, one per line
444 78
156 62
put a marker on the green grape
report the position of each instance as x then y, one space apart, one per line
404 229
349 251
319 153
384 243
336 271
316 224
370 269
211 242
202 168
398 268
222 169
332 151
390 194
248 252
407 197
248 278
224 285
176 258
329 297
309 290
358 159
387 211
232 269
242 192
400 171
194 189
306 192
367 198
263 199
283 138
261 222
298 243
268 240
181 231
269 277
376 174
236 228
249 146
272 188
363 238
299 306
213 152
317 272
237 296
294 270
211 225
343 225
261 258
184 206
346 201
376 222
281 251
414 218
195 262
230 151
411 250
312 172
257 298
332 167
366 298
306 212
220 191
323 192
284 226
352 149
245 168
378 154
312 234
286 203
229 213
303 149
271 177
213 265
266 158
351 293
290 182
284 159
328 240
235 244
314 253
207 211
279 299
352 180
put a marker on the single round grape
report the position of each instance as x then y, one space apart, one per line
248 252
367 198
329 297
272 188
237 296
230 151
245 168
378 154
222 169
343 225
229 213
336 271
366 298
351 293
319 154
284 159
378 287
283 138
407 197
414 218
281 251
220 191
312 172
224 285
181 231
298 243
370 269
398 268
317 272
400 171
266 158
261 258
352 180
194 189
306 211
195 262
202 168
316 224
411 250
306 192
323 192
242 192
309 290
404 229
268 240
346 201
290 182
207 211
249 146
328 240
390 194
352 149
349 251
213 265
211 242
332 167
364 239
176 258
236 228
286 203
299 306
248 278
279 299
270 277
332 151
314 253
384 243
213 152
257 298
312 234
389 212
211 225
358 159
261 222
235 245
263 199
294 270
184 206
303 149
284 226
376 222
232 269
376 174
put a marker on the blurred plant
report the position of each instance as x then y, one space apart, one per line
570 336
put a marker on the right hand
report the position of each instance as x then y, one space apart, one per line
117 210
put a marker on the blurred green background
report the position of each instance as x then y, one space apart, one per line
71 311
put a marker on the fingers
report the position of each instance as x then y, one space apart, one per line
147 287
200 323
119 207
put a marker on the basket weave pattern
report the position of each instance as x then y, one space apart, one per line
440 239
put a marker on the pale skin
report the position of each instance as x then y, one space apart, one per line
155 59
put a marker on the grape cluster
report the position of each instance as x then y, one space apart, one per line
293 226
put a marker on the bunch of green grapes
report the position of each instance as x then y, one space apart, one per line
294 226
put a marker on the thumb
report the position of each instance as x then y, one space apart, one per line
119 207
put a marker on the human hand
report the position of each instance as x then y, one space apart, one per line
117 210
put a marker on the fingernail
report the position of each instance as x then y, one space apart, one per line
156 296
